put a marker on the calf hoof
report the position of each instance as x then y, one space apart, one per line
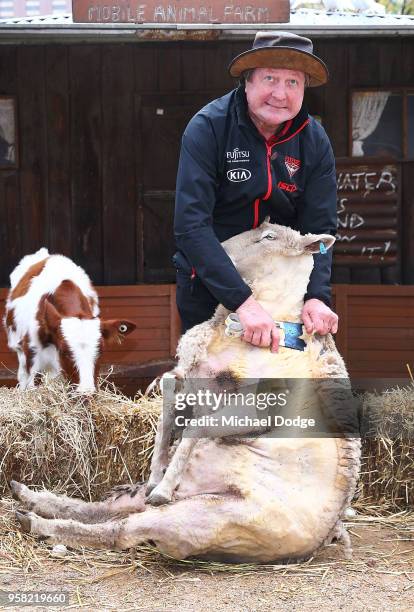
157 499
25 520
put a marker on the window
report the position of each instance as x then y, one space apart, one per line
382 124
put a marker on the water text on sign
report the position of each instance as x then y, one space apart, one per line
171 13
366 182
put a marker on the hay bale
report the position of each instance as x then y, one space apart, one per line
387 472
49 437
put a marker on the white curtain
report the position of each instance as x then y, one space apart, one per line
367 108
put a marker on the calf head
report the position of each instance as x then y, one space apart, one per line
79 342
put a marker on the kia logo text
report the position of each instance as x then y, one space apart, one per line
237 175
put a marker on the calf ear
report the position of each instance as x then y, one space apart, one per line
51 316
312 243
115 329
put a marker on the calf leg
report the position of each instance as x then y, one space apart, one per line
188 527
49 505
22 373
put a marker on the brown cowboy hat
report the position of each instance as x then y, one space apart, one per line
281 50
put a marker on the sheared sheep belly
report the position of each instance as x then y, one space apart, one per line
247 361
284 495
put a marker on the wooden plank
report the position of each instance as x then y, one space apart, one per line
383 333
169 73
86 160
193 66
218 57
137 312
395 344
118 149
384 310
58 149
133 357
378 321
10 210
135 301
406 61
134 290
146 67
175 321
407 227
364 65
33 155
136 344
341 309
10 224
335 53
379 290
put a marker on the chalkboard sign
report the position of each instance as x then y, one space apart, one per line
368 214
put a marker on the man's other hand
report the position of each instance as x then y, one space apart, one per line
318 317
259 327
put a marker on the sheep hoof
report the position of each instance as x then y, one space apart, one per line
15 489
24 519
151 485
157 499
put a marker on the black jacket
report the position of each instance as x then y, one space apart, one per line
230 178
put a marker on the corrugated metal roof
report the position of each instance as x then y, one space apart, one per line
313 22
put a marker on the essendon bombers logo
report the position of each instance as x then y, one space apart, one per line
292 165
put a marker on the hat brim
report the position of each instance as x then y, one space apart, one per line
281 57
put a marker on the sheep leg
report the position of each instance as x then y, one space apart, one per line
163 492
162 441
187 527
48 505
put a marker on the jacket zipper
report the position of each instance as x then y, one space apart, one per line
256 203
269 186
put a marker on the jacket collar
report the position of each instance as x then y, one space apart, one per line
289 129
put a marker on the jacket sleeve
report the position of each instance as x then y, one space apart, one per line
319 216
197 182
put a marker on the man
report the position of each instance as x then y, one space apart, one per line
253 153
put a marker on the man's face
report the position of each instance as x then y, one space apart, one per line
275 95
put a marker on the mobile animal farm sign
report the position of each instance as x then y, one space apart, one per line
180 11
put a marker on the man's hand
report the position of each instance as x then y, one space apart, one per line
318 317
259 327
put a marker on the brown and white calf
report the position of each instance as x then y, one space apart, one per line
52 321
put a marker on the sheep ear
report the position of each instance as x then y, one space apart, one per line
267 220
313 243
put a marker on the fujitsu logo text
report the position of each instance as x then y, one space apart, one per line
237 155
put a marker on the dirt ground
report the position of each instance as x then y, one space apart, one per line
379 577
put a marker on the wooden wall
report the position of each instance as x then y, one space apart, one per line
99 131
376 333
